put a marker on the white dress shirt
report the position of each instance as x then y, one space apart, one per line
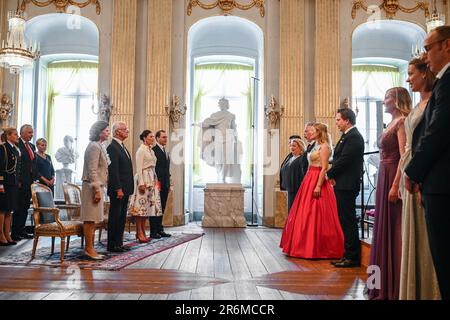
441 73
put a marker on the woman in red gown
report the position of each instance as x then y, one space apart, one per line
313 230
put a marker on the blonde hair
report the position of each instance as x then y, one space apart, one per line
6 133
403 101
323 135
299 143
41 140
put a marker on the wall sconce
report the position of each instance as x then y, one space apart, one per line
6 108
104 110
273 113
345 104
175 109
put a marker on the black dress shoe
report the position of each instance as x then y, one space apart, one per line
155 236
125 249
12 243
347 264
164 235
338 261
27 236
16 238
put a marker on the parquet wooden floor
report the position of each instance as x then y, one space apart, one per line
231 264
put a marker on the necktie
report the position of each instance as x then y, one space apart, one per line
30 152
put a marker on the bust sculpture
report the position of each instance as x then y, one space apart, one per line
67 154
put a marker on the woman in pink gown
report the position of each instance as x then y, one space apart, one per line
386 250
313 230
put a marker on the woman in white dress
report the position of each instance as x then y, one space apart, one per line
95 179
145 202
418 280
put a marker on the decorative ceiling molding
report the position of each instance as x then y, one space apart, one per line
227 6
391 7
61 5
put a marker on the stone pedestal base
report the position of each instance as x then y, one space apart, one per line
224 206
62 175
168 213
281 208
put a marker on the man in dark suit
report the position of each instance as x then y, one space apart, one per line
429 168
120 187
27 177
310 143
163 173
345 175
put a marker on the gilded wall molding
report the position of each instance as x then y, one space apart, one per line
291 70
326 92
61 5
391 7
123 71
227 6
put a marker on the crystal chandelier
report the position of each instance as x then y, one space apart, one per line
16 54
435 20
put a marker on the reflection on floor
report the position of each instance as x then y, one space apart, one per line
242 264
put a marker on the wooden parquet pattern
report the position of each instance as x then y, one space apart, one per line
226 264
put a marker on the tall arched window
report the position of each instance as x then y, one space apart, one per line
72 92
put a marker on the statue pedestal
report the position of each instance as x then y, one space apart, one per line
281 208
224 206
62 175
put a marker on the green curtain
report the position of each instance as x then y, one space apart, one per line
370 71
202 89
61 76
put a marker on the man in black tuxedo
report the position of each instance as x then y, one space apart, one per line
27 177
429 168
120 187
163 173
345 175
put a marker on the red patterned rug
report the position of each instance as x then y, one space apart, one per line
112 261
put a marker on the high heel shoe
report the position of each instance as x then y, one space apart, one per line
98 257
143 241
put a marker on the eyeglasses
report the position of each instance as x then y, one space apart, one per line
429 46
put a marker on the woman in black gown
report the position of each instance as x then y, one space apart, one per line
293 171
44 165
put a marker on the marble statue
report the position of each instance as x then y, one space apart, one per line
66 156
220 145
